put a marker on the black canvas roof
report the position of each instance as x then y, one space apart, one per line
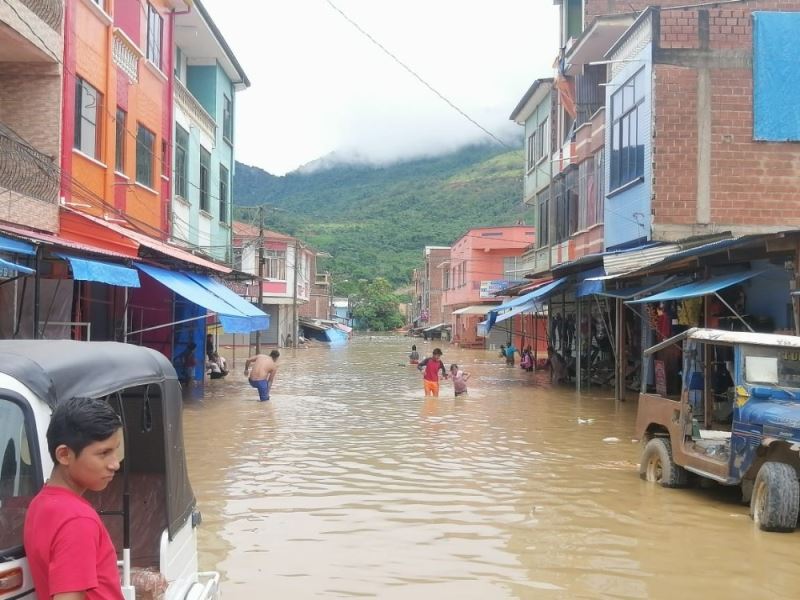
56 370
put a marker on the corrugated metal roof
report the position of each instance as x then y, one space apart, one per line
634 260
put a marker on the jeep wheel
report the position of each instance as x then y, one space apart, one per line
776 497
657 465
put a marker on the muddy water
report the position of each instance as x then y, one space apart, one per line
350 484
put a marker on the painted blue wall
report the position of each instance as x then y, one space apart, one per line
202 82
627 213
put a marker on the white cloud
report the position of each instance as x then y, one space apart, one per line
319 86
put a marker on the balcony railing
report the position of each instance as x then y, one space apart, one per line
195 110
25 170
49 11
126 55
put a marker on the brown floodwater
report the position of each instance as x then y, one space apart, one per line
348 483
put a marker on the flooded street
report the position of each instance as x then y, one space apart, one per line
350 484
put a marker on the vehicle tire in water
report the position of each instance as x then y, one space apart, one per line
657 465
776 497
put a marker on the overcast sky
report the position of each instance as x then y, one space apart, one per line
319 86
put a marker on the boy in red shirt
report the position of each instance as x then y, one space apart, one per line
430 379
70 553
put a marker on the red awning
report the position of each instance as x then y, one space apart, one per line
149 242
47 238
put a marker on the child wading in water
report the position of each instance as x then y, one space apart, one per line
413 357
459 380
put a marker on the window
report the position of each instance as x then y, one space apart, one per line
543 225
227 119
275 264
531 150
178 70
88 102
541 148
181 152
223 194
119 150
155 32
445 279
600 185
509 268
145 142
205 165
164 158
18 478
627 132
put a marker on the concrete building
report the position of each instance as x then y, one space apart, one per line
429 282
30 111
482 262
207 77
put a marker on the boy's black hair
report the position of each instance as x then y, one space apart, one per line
78 422
274 355
454 366
437 351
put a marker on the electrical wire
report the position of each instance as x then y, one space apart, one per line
417 76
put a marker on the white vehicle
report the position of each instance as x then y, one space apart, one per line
149 507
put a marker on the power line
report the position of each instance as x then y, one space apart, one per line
417 76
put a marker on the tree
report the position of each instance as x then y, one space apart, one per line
375 306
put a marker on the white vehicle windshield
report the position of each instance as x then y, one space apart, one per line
764 365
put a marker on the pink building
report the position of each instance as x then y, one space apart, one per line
482 261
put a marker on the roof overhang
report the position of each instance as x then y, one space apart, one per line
595 41
203 44
533 97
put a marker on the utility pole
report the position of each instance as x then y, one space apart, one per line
294 294
260 271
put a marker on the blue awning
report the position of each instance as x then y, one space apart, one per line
16 246
528 302
589 285
257 320
7 264
336 337
700 288
87 269
185 286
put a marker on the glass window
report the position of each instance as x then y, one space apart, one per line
543 225
119 150
19 480
275 264
88 102
531 150
627 132
155 32
227 119
223 194
205 165
181 164
145 142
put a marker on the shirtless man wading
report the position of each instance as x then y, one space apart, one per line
263 372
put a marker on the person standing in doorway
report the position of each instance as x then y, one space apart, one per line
69 550
431 367
262 374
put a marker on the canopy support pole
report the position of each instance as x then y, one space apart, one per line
735 314
167 325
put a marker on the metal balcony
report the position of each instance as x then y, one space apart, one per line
25 170
49 11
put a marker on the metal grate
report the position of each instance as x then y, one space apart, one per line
25 170
49 11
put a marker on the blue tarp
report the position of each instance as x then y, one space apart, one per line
528 301
527 307
258 320
86 269
7 264
16 246
699 288
336 337
776 76
587 287
234 320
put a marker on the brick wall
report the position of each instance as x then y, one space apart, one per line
595 8
749 185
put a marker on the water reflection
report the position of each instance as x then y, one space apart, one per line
350 483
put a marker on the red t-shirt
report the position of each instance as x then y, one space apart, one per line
432 367
68 547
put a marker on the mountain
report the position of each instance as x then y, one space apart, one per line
375 220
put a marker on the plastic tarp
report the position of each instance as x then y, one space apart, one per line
528 302
776 77
336 336
258 320
16 246
699 288
86 269
185 286
7 264
528 307
590 285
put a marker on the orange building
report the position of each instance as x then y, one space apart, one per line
117 110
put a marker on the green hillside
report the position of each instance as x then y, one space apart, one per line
375 221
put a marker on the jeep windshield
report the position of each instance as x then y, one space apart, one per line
772 366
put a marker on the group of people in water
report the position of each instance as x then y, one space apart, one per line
510 351
431 366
